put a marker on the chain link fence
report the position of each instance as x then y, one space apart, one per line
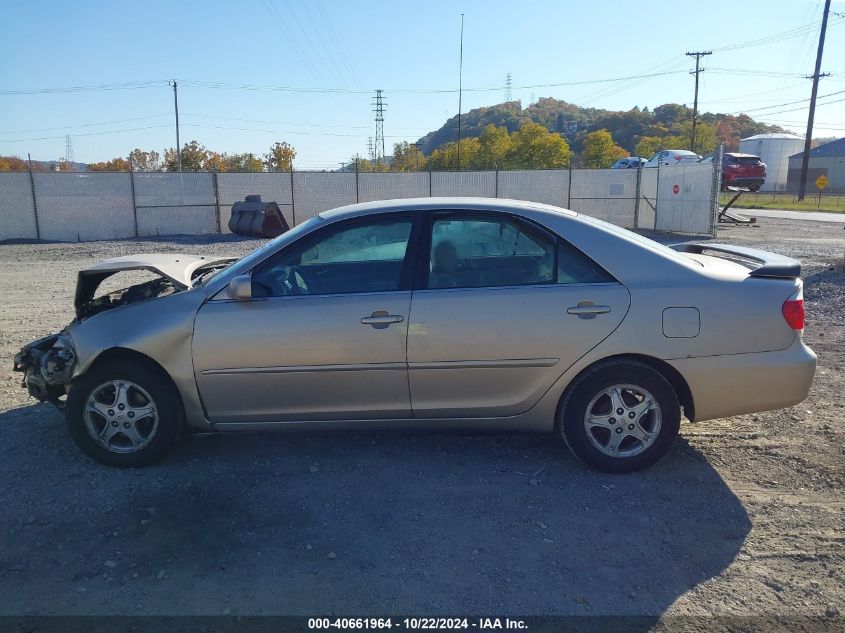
95 205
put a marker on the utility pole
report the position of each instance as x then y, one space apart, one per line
460 88
379 104
698 70
176 110
808 139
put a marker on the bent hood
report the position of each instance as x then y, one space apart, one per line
179 269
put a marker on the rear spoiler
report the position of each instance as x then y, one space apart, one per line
770 264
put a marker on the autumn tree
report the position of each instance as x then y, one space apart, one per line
407 157
12 163
600 151
215 162
446 157
244 162
193 156
534 147
145 161
280 157
648 146
494 143
115 164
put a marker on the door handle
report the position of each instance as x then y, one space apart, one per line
380 319
587 310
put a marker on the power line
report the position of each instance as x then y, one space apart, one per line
68 127
50 138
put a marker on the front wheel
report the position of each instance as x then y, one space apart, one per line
124 414
620 417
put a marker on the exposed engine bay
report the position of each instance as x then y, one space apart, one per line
48 363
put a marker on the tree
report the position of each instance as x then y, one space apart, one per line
407 157
244 162
600 151
215 162
12 163
648 146
193 157
534 147
494 143
115 164
280 157
446 157
145 161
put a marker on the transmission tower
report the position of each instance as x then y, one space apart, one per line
68 149
378 107
508 86
371 149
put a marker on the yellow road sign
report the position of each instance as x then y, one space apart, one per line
821 182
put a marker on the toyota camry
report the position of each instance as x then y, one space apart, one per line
435 313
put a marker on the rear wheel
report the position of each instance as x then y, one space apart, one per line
124 414
620 416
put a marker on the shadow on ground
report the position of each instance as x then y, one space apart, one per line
348 523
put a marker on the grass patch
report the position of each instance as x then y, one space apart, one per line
833 203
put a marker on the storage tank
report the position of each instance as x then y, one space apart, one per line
774 149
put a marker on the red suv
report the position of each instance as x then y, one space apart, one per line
743 170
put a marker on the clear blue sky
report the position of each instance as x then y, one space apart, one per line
391 45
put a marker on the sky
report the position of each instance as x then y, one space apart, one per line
254 72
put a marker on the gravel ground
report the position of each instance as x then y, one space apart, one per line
743 517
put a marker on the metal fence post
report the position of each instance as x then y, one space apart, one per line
357 197
638 194
716 188
292 206
429 183
569 190
497 181
216 201
34 201
134 205
657 197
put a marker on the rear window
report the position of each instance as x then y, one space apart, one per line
747 160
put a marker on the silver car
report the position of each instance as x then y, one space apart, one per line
431 313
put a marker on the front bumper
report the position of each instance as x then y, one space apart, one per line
735 384
47 365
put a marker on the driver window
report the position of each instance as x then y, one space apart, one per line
362 257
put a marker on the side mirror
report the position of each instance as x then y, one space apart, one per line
240 288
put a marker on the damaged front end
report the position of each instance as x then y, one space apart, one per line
47 365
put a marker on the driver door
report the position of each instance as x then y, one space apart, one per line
323 336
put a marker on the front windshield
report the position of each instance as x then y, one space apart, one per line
248 261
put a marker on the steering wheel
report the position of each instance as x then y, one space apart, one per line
297 281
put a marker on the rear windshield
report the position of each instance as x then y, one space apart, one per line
747 160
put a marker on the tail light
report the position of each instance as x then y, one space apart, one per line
793 312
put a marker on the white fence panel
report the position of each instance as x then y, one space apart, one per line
388 186
84 207
17 216
272 187
547 186
684 198
314 193
607 194
648 198
464 183
175 203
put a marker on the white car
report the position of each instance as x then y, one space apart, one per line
672 157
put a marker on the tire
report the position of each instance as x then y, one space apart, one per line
589 421
140 433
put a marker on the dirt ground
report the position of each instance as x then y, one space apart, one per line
744 517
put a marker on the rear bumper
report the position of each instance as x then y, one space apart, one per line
734 384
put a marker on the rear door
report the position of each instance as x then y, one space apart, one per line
501 308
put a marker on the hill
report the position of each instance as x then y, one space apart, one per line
574 122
